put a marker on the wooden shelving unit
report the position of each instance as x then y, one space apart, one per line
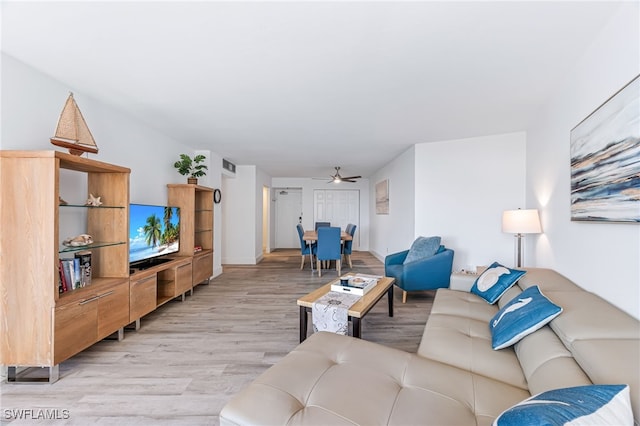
196 226
153 287
40 327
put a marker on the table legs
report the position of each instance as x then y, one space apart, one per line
303 323
310 255
356 325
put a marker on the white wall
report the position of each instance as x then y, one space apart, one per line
32 103
458 190
601 257
242 213
239 212
462 188
262 180
396 231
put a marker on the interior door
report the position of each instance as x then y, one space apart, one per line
338 206
288 213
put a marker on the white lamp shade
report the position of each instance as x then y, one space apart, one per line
521 222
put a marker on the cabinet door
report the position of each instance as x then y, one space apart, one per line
142 294
113 309
183 278
202 268
75 328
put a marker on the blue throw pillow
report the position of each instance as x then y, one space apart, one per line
421 248
494 281
523 315
580 405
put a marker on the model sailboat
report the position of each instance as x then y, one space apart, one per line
72 131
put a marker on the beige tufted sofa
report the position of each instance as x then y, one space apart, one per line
455 378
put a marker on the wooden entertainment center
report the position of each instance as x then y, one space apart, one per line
41 327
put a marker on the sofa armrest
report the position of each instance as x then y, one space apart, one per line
396 258
462 282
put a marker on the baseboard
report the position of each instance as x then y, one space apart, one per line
378 256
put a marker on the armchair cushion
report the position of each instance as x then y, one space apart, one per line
422 248
494 281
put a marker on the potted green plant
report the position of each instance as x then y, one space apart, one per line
191 167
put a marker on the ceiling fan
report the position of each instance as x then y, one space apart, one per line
337 178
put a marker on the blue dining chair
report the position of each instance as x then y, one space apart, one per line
321 224
328 247
348 244
305 249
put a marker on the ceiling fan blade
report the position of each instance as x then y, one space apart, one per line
348 180
351 177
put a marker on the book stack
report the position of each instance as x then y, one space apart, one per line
359 284
74 272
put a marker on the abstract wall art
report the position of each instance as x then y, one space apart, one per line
382 197
605 160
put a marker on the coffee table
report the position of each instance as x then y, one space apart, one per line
356 312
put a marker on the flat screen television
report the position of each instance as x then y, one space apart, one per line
154 232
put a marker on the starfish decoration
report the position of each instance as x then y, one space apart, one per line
93 201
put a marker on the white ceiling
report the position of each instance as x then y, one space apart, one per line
297 88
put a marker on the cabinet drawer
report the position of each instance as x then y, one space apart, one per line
75 328
183 278
202 268
142 297
113 309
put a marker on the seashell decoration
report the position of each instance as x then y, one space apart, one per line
93 201
79 241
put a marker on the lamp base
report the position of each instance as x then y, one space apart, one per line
518 250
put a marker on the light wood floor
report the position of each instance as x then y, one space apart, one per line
190 357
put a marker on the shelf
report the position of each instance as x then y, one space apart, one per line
91 207
98 284
91 246
164 299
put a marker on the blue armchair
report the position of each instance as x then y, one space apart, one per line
424 274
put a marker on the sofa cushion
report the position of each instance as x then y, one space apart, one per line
422 248
494 281
521 316
582 405
339 380
548 280
462 304
466 343
547 364
588 316
611 361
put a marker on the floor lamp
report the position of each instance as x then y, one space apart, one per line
520 222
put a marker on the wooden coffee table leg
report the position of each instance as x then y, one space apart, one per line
390 297
303 323
355 322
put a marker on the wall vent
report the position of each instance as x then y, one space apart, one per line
229 166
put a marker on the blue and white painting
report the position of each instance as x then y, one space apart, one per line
605 160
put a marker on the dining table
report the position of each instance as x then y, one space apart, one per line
311 237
